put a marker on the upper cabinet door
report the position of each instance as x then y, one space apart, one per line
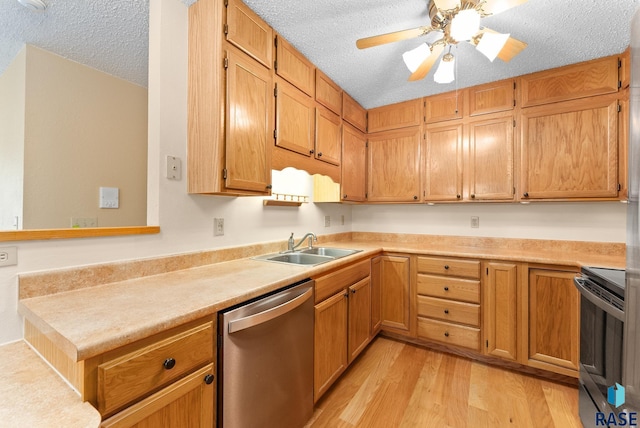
249 32
354 165
328 136
585 79
570 150
491 158
328 93
248 123
393 166
293 66
395 116
353 112
492 97
443 163
294 119
448 106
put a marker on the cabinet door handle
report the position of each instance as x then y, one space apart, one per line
526 194
473 196
446 288
269 187
415 197
208 379
353 291
458 196
446 267
169 363
344 196
319 154
446 334
311 152
446 311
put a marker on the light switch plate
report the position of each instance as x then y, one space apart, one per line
8 256
109 197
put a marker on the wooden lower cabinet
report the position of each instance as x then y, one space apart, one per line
395 293
189 402
501 285
342 322
554 321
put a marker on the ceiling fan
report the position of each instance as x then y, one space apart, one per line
457 21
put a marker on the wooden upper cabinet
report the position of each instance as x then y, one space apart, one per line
625 69
354 165
393 166
491 158
586 79
353 113
294 67
249 32
443 163
294 119
570 150
248 124
328 136
395 116
328 93
492 97
448 106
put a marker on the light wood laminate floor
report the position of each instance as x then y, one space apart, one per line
396 384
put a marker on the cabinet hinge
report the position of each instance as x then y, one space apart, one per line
619 187
275 134
366 195
514 103
226 63
619 108
275 65
514 85
514 123
366 144
619 84
619 63
224 174
226 29
487 343
487 271
275 91
275 41
514 191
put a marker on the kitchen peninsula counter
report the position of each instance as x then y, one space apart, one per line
91 310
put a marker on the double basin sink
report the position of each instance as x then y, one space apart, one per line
308 256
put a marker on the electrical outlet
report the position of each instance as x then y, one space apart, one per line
327 221
80 222
475 222
8 256
174 168
218 226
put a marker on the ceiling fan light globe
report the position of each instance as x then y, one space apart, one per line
415 57
446 71
491 44
465 24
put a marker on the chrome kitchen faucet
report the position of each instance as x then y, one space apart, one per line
312 238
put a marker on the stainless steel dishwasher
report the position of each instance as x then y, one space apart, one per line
265 360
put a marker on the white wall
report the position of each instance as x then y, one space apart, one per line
186 221
600 222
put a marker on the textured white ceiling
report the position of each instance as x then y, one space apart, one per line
112 35
558 32
109 35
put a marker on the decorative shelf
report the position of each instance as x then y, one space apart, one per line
285 200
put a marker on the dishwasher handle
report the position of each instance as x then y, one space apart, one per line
269 314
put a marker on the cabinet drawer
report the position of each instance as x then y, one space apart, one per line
124 379
449 310
327 285
452 334
449 288
449 267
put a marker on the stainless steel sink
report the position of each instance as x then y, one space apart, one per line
297 258
331 252
308 257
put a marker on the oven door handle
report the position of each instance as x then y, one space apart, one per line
608 308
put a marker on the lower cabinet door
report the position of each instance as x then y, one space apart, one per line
330 342
187 403
359 317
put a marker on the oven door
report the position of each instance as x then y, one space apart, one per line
601 334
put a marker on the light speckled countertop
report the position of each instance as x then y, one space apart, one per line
34 396
89 321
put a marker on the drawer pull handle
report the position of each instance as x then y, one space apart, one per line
169 363
446 334
208 379
353 291
446 311
446 288
446 267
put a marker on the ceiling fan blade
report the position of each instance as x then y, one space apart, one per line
426 65
493 7
511 48
396 36
446 4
